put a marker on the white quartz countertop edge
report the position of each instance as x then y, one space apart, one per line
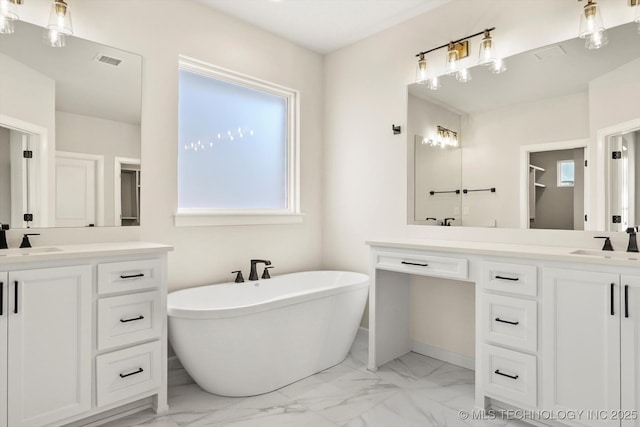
551 253
64 252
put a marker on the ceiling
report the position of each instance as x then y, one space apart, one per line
324 25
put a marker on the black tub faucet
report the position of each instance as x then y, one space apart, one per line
633 243
253 275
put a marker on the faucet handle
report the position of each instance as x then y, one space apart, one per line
25 240
607 243
239 278
4 227
265 273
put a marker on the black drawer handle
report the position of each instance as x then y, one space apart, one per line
513 279
506 321
613 299
139 371
513 377
415 263
132 276
626 301
133 319
15 297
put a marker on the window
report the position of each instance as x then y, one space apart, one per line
237 149
566 173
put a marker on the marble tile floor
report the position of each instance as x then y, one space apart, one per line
411 391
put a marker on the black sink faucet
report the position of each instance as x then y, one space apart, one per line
3 236
447 221
253 275
607 243
25 240
633 243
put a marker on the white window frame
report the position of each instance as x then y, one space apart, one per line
291 214
559 173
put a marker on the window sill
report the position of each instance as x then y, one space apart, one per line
200 218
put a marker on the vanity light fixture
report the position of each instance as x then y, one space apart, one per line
457 50
445 138
8 15
59 24
636 6
592 29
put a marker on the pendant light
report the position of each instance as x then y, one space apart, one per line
59 24
637 18
8 15
422 72
591 27
487 52
453 59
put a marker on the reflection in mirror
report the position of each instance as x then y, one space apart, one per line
623 173
66 115
557 97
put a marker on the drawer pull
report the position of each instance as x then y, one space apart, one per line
506 321
513 377
15 297
139 371
415 263
513 279
133 319
131 276
626 300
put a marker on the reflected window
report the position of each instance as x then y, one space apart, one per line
237 143
566 173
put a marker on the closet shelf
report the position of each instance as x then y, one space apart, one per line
538 168
537 184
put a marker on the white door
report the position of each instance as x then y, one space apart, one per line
581 343
630 348
75 192
49 345
4 307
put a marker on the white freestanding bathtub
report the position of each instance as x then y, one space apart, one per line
254 337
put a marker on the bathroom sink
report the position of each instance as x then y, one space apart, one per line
29 251
631 256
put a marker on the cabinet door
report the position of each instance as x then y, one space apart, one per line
4 308
49 345
630 349
581 343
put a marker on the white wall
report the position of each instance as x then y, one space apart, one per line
91 135
365 87
160 31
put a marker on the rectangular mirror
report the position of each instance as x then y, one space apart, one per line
69 132
525 137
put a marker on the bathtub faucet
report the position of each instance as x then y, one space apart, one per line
254 273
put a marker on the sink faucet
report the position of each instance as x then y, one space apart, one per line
633 243
25 240
447 222
3 236
253 275
607 243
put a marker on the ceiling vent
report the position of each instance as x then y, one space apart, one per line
108 60
549 52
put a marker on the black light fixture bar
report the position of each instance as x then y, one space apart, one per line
455 41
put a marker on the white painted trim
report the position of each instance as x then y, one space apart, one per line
201 218
602 136
44 165
525 150
98 159
293 144
117 185
444 355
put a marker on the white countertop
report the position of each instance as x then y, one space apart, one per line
64 252
551 253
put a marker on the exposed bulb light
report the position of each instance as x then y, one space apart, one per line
498 66
453 60
591 27
8 15
463 75
445 138
59 24
434 83
637 18
422 72
487 52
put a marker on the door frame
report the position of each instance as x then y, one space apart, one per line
99 178
117 189
526 150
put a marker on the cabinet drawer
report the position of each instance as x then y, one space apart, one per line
128 276
510 376
510 321
513 278
127 319
126 373
424 265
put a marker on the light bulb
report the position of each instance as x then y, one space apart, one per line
433 83
464 75
422 72
498 66
597 40
591 21
59 24
7 17
487 52
453 59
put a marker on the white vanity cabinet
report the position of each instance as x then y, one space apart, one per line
46 345
592 344
61 362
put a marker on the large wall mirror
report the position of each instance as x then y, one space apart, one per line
69 132
526 138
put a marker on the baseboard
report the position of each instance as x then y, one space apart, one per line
444 355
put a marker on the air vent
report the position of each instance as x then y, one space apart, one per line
549 52
108 60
